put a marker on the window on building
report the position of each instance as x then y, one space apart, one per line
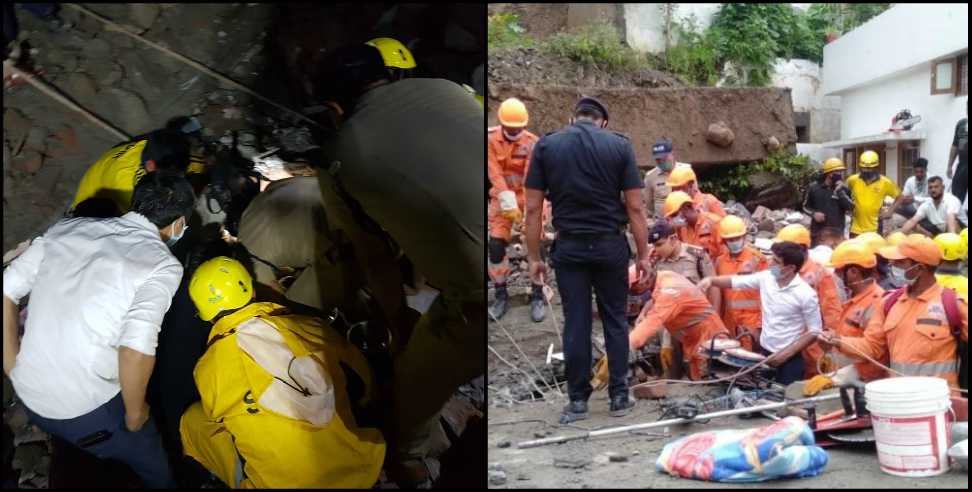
963 72
950 75
908 153
801 120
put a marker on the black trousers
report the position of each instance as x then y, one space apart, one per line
598 263
960 181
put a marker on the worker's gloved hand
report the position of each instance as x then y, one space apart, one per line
667 358
601 374
817 384
509 207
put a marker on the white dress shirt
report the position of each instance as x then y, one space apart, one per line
787 311
94 285
938 213
920 193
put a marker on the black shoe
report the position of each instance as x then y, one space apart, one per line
574 411
501 304
621 405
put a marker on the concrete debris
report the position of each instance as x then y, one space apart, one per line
81 88
760 213
135 118
295 139
617 457
571 463
145 14
29 457
497 477
16 416
503 444
720 134
29 434
772 143
97 50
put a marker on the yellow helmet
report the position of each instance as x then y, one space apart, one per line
732 227
895 238
833 164
674 202
950 244
853 252
794 233
965 239
394 53
680 176
220 284
513 113
873 240
869 159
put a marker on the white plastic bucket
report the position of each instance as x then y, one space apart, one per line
909 418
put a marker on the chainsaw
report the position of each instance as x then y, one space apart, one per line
904 120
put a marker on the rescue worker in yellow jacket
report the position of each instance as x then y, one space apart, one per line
283 395
107 186
949 272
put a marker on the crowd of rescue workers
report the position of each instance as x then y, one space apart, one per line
827 305
311 327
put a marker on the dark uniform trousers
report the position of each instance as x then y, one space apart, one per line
601 262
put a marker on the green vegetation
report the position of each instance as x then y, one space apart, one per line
504 31
694 57
597 45
732 182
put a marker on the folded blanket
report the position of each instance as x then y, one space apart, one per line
784 449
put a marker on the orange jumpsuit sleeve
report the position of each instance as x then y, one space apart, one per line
717 207
874 343
495 170
652 318
830 305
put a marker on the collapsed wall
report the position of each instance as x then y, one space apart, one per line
756 116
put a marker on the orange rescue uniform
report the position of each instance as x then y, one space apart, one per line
857 313
915 336
705 234
831 306
507 166
681 308
709 203
741 310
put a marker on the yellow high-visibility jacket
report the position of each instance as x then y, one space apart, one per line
297 431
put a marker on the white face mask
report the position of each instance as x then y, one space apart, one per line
173 239
679 221
735 246
512 138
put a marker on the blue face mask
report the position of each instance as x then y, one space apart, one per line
776 271
898 275
176 237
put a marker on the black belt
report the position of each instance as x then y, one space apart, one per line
588 236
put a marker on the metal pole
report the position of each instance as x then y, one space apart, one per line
663 423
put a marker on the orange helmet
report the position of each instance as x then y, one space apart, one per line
732 227
674 202
680 176
853 252
795 233
513 113
873 240
895 238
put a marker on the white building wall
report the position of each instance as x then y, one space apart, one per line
645 22
868 111
901 38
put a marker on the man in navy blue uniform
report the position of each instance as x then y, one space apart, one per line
584 170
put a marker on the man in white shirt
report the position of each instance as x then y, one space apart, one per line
915 191
791 312
99 289
937 215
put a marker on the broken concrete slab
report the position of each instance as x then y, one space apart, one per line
571 463
81 89
497 477
753 114
144 14
129 110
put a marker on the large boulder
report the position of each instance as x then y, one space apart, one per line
720 135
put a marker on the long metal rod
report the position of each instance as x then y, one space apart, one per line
663 423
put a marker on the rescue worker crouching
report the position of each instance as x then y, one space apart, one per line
106 187
509 149
282 394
